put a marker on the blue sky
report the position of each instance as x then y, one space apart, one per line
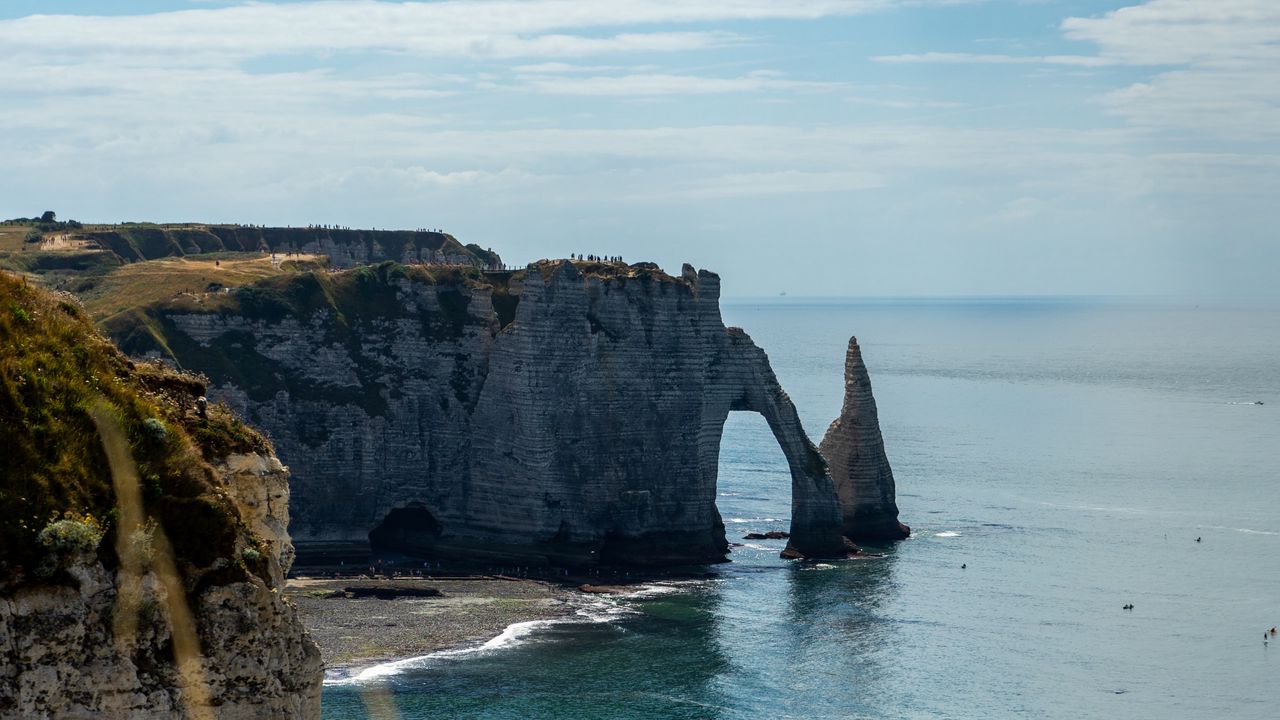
814 147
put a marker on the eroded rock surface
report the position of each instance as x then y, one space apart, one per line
854 449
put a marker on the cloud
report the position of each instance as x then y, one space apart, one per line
667 84
1221 60
784 182
976 58
472 29
1226 82
1020 210
1183 32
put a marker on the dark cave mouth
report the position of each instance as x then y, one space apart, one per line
412 530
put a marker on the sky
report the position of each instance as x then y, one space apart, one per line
807 147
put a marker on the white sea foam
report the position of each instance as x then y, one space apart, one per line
753 520
1247 531
665 587
587 609
948 533
513 634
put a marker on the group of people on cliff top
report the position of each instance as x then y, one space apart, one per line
596 258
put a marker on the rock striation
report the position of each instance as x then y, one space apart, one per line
854 450
569 413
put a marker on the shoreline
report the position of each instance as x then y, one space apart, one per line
357 633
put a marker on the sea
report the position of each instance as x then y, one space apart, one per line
1057 460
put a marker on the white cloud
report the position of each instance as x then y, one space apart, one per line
666 84
1223 60
1227 53
1020 210
1183 32
783 182
976 58
456 28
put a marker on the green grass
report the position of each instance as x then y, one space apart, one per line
54 367
138 284
12 237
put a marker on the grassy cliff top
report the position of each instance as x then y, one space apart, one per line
137 284
609 271
73 256
55 369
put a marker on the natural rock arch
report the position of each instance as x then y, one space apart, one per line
580 425
751 386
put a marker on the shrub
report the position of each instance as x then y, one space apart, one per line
142 543
71 535
155 429
66 540
251 555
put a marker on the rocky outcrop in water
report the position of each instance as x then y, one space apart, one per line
854 449
568 413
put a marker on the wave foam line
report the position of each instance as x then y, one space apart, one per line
1247 531
587 610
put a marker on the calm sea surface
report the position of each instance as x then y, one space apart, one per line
1068 452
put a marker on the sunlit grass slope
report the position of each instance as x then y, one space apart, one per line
54 369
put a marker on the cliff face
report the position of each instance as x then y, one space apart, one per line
854 449
63 657
143 547
569 413
345 248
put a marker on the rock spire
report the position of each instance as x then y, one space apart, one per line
854 450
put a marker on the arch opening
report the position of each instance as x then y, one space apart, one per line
753 482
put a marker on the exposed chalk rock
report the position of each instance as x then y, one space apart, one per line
854 450
59 656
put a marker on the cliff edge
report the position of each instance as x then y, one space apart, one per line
143 554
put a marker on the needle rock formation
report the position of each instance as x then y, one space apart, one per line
854 450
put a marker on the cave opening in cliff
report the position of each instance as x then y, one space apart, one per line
410 530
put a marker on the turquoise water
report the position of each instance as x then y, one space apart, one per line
1069 453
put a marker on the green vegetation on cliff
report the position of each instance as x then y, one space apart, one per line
353 302
136 242
54 370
